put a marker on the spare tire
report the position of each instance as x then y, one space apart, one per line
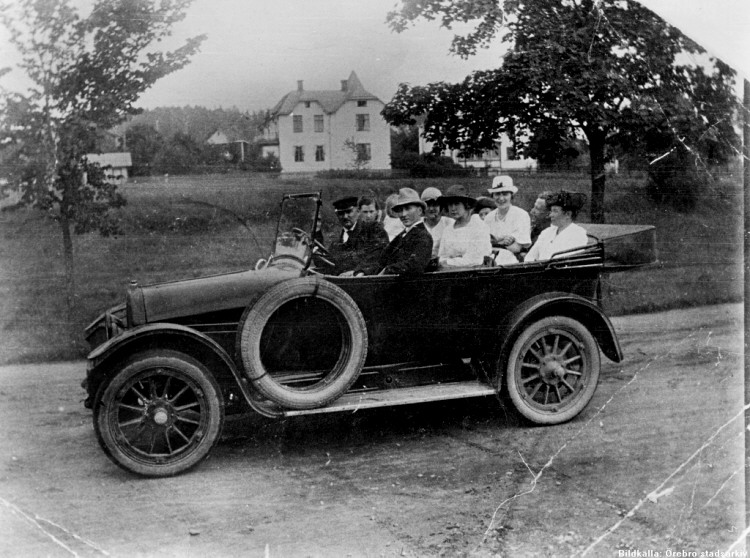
272 318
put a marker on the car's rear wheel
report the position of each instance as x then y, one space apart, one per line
303 343
159 415
553 370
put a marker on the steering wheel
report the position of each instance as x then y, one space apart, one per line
321 250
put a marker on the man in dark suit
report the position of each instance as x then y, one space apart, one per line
359 243
410 251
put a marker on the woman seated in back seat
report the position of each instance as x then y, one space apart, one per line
467 240
562 234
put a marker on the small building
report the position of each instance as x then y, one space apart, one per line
116 165
502 158
230 146
313 131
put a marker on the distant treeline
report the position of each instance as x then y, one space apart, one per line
173 140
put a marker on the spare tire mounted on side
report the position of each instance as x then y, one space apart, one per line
350 360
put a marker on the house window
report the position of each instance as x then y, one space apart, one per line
297 122
364 152
511 154
361 103
320 154
299 154
307 104
318 122
363 122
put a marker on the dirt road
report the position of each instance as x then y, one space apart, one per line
654 463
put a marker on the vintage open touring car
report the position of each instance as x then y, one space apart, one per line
170 363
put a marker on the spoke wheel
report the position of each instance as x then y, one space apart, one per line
553 370
159 415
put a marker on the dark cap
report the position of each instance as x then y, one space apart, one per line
569 201
344 204
483 202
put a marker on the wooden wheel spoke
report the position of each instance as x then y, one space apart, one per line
572 372
567 385
546 394
564 350
137 409
130 422
185 407
571 359
140 395
535 390
183 419
178 394
530 365
555 344
169 444
557 392
166 387
536 354
152 389
530 379
179 432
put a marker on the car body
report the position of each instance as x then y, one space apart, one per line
170 363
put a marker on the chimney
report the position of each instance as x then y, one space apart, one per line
344 84
299 85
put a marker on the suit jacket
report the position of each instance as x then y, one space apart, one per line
363 247
407 254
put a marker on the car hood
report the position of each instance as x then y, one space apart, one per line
165 301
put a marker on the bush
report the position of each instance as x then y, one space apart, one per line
674 181
428 165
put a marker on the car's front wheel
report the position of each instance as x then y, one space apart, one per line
553 370
160 414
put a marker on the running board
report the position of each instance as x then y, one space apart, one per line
401 396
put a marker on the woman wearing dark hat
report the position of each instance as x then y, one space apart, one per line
484 206
410 251
467 241
562 234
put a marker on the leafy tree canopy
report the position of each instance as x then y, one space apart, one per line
607 69
86 72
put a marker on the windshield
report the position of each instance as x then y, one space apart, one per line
299 212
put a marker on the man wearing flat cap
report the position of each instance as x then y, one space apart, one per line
410 251
562 234
510 226
359 243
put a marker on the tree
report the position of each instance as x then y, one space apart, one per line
593 67
360 154
86 74
143 142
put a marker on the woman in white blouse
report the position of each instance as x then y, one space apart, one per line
467 240
562 234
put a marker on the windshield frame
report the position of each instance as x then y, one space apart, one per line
317 196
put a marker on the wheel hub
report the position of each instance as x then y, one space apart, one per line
160 414
551 371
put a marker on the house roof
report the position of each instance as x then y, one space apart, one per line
331 101
116 160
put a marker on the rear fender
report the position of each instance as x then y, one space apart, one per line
560 304
106 358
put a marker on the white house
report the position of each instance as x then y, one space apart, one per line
234 148
502 158
323 130
116 165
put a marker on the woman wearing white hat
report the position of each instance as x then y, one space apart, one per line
510 226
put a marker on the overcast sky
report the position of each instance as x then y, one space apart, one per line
257 50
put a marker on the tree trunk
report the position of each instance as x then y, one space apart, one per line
69 267
596 150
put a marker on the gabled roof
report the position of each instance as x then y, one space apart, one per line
117 160
331 101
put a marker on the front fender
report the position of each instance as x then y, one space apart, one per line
562 304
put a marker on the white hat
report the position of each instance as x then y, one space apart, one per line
502 183
430 193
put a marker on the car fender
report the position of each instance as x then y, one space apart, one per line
565 304
168 335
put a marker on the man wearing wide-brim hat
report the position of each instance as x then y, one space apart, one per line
510 226
563 234
410 251
359 243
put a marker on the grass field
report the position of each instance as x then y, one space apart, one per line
178 229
